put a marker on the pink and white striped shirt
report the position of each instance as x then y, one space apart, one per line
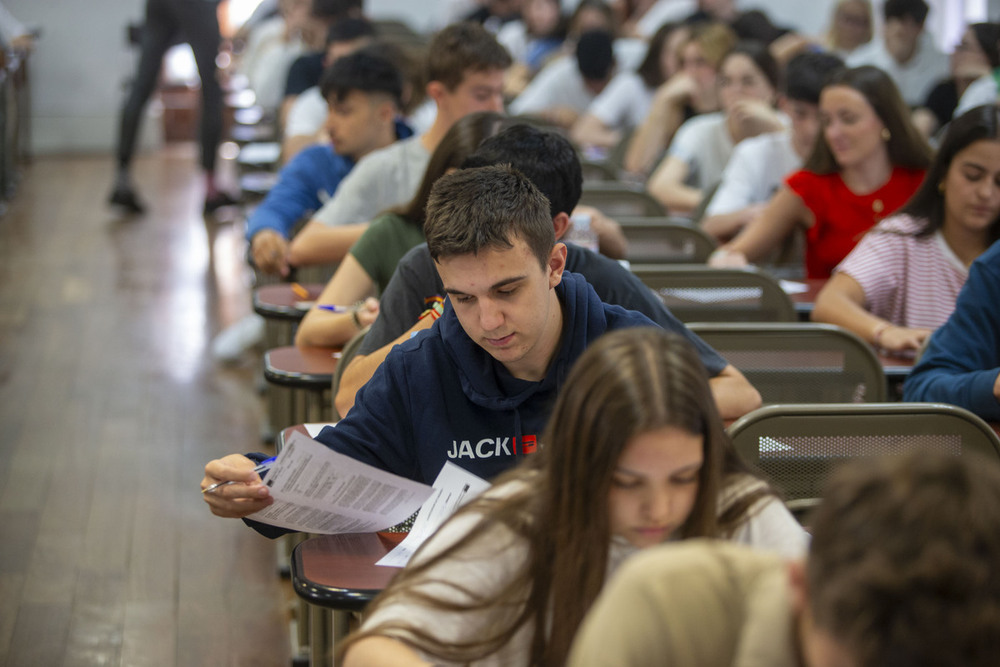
908 280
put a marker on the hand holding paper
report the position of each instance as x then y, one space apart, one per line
317 490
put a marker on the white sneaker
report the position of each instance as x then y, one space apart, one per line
237 338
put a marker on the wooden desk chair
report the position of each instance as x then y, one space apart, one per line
598 171
799 362
279 305
798 445
301 377
665 240
337 576
262 155
621 200
699 293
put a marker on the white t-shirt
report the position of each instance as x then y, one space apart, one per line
307 114
513 36
704 145
982 91
380 180
624 103
267 59
560 83
909 281
756 169
915 78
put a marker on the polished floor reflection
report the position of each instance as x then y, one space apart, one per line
110 405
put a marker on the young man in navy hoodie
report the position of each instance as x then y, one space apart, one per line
551 163
477 387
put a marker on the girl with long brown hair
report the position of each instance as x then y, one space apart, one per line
634 455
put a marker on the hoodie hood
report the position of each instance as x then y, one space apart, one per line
487 383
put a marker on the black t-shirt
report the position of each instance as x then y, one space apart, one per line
942 101
304 73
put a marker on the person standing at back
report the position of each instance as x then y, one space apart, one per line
166 21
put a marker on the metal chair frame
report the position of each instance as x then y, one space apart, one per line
700 293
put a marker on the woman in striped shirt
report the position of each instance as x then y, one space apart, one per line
901 281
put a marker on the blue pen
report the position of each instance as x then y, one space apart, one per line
334 309
261 468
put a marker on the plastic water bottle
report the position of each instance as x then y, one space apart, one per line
581 233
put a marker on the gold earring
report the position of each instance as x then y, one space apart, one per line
941 187
886 134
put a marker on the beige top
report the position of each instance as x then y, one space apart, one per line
697 602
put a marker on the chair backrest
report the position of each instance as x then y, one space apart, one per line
706 198
699 293
621 199
799 362
797 446
348 352
598 171
665 241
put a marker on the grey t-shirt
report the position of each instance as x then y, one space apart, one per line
416 279
381 180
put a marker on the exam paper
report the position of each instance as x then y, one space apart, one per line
453 488
317 490
793 287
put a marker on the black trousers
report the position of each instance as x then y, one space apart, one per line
169 22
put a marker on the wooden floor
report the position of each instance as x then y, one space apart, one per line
110 405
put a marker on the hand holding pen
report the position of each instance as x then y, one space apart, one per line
261 469
363 312
236 487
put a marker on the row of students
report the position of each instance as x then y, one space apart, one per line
745 188
362 92
867 161
747 85
365 271
552 165
478 387
465 70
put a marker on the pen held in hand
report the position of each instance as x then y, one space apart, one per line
260 470
334 309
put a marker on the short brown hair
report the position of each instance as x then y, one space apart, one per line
903 566
462 47
487 207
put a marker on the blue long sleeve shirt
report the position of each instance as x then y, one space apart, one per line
307 182
962 359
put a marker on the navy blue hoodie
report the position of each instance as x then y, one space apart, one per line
440 396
